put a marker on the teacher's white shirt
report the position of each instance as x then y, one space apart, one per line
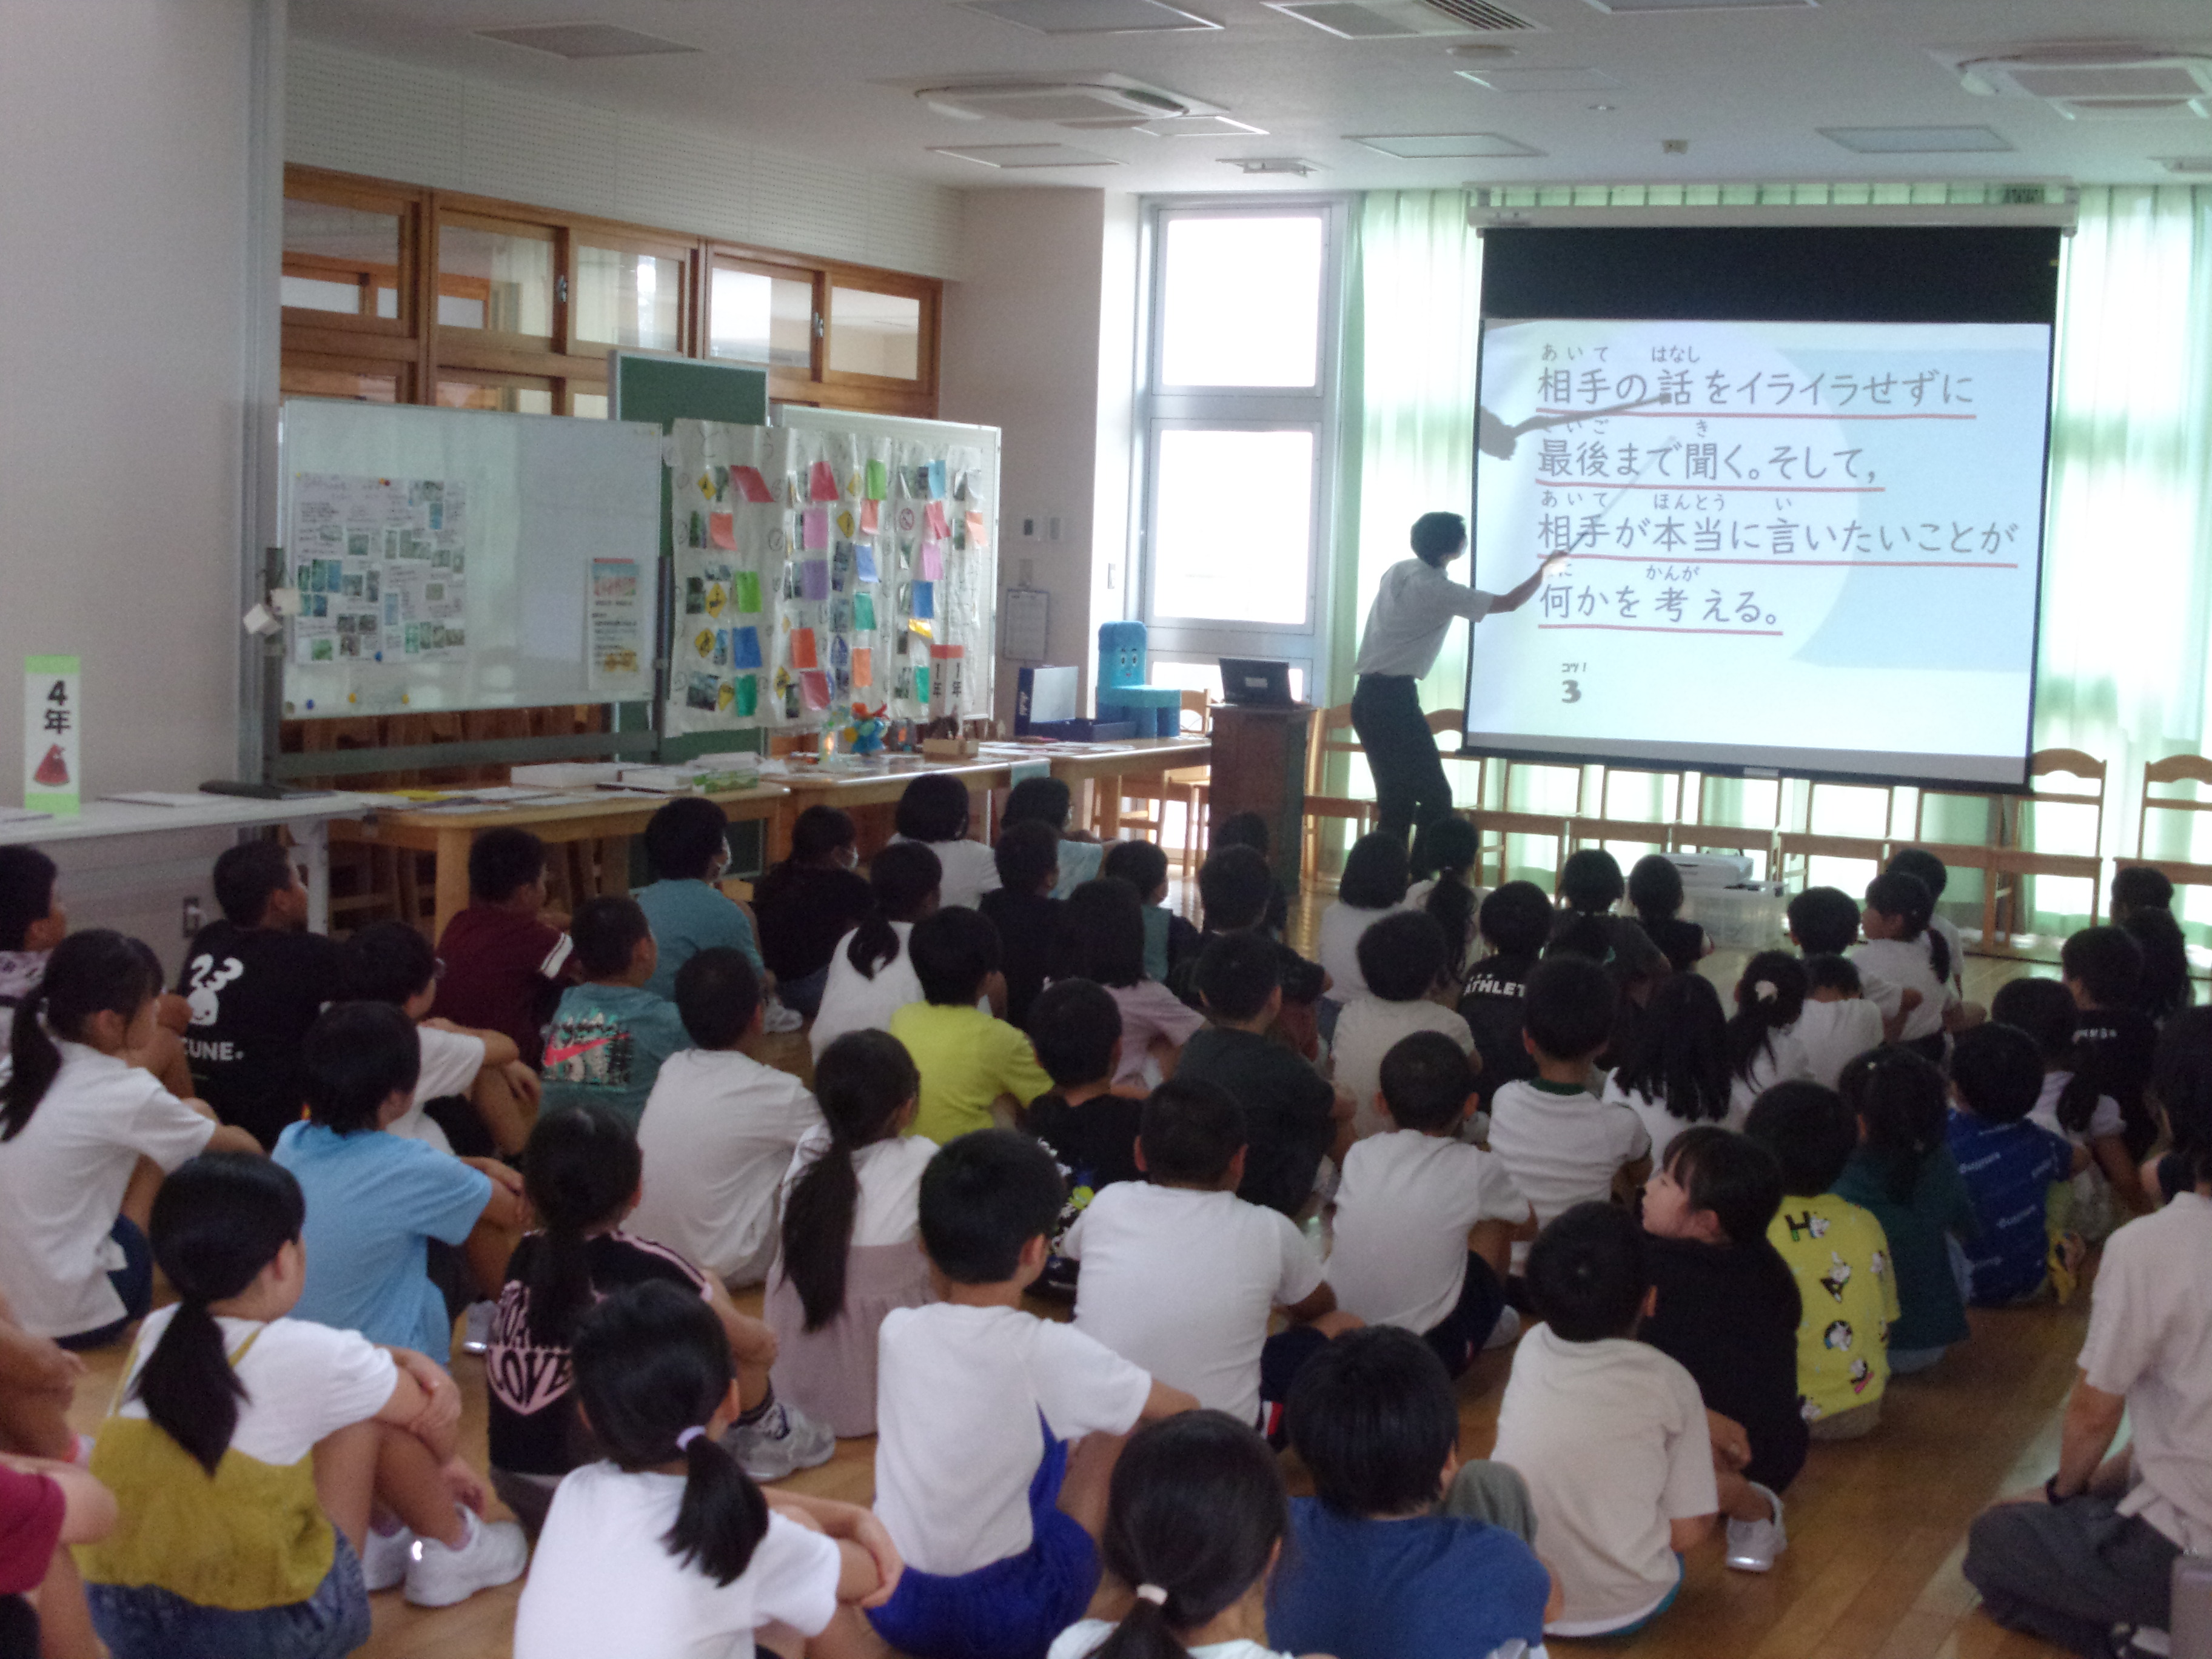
1414 607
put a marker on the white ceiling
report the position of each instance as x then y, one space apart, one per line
1747 89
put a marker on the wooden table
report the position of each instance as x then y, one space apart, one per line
608 816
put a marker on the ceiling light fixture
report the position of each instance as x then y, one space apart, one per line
1294 166
580 42
1092 16
1441 146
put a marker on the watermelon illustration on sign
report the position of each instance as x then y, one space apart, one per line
53 771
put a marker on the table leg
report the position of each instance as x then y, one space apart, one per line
313 839
453 889
778 830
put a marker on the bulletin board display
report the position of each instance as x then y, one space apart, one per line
830 567
454 559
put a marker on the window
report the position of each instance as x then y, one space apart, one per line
366 382
342 260
757 316
496 276
873 333
627 298
513 393
1238 421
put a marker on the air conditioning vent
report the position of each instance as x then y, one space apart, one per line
2132 109
1480 14
580 41
2193 166
1070 103
1401 19
2109 81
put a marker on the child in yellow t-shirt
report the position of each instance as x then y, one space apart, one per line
1839 1256
970 1061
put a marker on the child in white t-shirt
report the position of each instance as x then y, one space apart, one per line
994 1516
1611 1435
1674 1069
1401 957
1424 1223
1823 922
668 1547
933 812
1559 1142
870 976
1770 999
1900 950
719 1129
1838 1024
1182 1276
1373 885
1196 1476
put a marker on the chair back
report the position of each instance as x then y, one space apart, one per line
1200 703
2062 763
2173 770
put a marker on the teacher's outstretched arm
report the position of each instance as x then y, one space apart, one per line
1520 595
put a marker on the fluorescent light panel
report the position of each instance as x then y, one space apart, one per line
1541 80
1916 140
580 41
1640 7
1435 146
1092 16
1014 156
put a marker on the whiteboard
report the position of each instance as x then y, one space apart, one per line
490 560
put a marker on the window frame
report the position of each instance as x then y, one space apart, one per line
367 196
920 288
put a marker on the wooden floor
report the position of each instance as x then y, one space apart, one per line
1876 1528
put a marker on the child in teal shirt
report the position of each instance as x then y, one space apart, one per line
687 844
611 1033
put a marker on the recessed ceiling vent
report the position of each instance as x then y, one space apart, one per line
1103 101
580 41
1400 19
2093 81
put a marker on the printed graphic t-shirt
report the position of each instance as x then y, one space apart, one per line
254 992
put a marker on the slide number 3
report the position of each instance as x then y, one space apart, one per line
1571 691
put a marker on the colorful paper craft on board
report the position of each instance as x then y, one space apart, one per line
937 481
933 521
907 519
924 600
814 579
707 485
722 529
932 561
814 687
751 485
879 481
715 598
802 648
871 517
863 613
745 647
921 684
916 625
864 665
745 587
977 536
863 562
821 483
748 695
814 531
846 522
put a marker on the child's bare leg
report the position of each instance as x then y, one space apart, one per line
1740 1499
65 1629
752 1346
411 1483
486 1250
138 1196
848 1636
345 1479
506 1116
1089 1468
1333 1325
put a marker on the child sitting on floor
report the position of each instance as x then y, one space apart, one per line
1424 1223
1372 885
1201 1329
1903 950
1236 889
1770 999
1654 893
1169 938
1049 801
1514 921
1088 1123
687 846
1401 957
1674 1071
2009 1163
1611 1435
971 1064
719 1129
506 959
2116 1042
851 1251
934 812
667 1547
1443 860
808 903
1101 939
1728 1311
1026 913
1374 1572
247 1445
1838 1255
2143 906
581 1172
2108 1193
1823 922
1904 1175
610 1033
995 1515
1838 1024
871 976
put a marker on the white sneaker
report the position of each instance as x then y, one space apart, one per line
476 1333
1753 1545
777 1017
783 1441
1506 1332
385 1558
495 1553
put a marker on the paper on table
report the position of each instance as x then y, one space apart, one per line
821 483
157 798
723 529
933 559
802 648
814 579
21 815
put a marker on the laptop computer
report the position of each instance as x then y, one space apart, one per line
1254 683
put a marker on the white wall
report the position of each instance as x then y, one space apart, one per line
1038 343
124 206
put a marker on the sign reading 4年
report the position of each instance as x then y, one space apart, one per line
52 725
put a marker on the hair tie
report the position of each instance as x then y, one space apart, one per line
1764 990
1153 1593
683 1440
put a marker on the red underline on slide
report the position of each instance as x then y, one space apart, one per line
1785 562
1655 628
1602 484
1739 415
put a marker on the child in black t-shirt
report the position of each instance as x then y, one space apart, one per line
581 1170
2115 1042
1090 1125
1727 1313
808 903
1654 891
1024 910
1514 921
1236 890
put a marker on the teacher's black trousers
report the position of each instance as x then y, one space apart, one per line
1410 786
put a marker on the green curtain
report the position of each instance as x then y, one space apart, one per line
2127 606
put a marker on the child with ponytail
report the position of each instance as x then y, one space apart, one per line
2071 1105
84 1139
1904 951
1762 1051
1196 1520
667 1548
580 1172
246 1448
1444 852
851 1250
871 975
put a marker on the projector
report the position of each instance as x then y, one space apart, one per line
1712 869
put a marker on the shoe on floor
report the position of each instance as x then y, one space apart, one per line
777 1017
1753 1545
385 1558
1506 1332
476 1333
784 1441
495 1553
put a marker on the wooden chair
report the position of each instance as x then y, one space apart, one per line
1981 856
1698 834
2174 769
2019 860
1320 805
1508 820
1807 844
1185 785
1658 833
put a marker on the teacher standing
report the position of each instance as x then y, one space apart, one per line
1417 605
